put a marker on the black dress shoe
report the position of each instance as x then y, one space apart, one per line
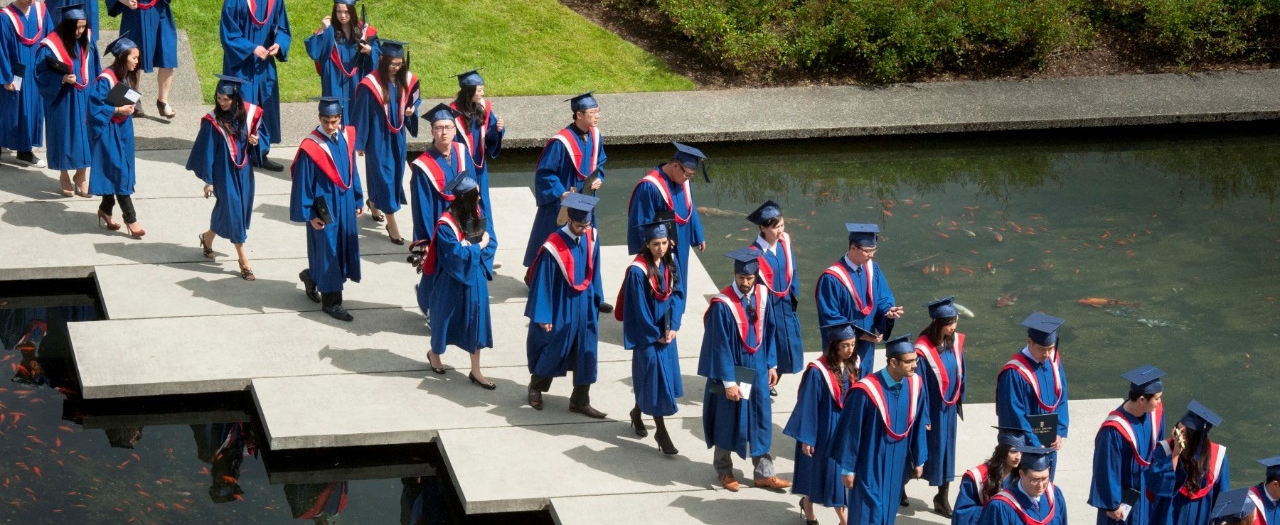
487 386
309 285
587 410
338 312
773 392
637 424
904 502
606 308
942 506
270 165
665 444
535 398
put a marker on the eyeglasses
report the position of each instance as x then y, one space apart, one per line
867 251
396 65
442 128
1038 480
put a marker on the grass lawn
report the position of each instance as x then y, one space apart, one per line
525 47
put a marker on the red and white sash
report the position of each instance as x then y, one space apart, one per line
1009 499
1117 420
253 12
110 77
1217 456
641 264
1022 364
766 271
875 391
835 386
559 250
144 4
54 43
658 183
841 274
408 97
1259 510
316 146
429 258
435 174
252 119
16 18
979 476
367 33
477 146
730 298
930 353
566 137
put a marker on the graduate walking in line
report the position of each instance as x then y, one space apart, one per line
434 170
1031 499
327 197
1123 449
1033 384
854 291
91 13
1189 472
778 275
941 351
462 251
150 24
813 423
254 36
386 101
63 72
1266 495
651 308
479 128
981 483
664 194
113 173
344 49
23 25
220 158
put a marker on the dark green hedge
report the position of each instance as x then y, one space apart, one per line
893 40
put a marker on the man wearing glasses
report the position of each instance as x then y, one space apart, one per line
434 170
854 291
664 194
1032 500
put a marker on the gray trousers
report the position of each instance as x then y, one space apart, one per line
723 461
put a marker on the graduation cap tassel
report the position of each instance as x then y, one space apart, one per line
704 173
408 60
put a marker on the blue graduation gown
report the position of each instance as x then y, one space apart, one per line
240 34
1016 399
21 112
459 300
863 447
1269 510
333 252
429 198
111 143
1000 513
941 467
1115 468
233 185
574 315
655 367
1171 507
970 501
90 11
784 324
341 80
556 174
152 29
481 150
384 149
836 306
647 202
65 107
745 426
813 423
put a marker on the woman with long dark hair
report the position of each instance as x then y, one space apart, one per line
220 158
150 24
1191 471
651 305
460 259
941 351
778 274
111 133
823 385
344 49
385 101
478 126
63 66
980 483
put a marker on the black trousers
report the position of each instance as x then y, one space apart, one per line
126 207
328 299
581 395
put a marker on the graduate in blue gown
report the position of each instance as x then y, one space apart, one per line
664 194
111 138
255 34
1124 448
1266 495
875 453
979 484
813 423
1033 382
150 24
1240 507
1189 472
91 13
563 308
855 291
1031 499
386 101
434 170
478 126
651 307
941 351
462 248
220 158
324 171
570 157
344 49
66 95
778 275
736 418
23 25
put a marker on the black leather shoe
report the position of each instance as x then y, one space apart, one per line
587 410
535 398
637 424
773 392
665 444
487 386
606 308
309 286
942 506
270 165
904 502
338 312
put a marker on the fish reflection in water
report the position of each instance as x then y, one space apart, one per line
1157 323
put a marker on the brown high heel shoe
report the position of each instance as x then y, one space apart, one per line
105 221
136 233
68 187
165 110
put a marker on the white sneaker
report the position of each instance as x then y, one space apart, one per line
30 159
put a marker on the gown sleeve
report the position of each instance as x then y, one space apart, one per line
200 161
803 423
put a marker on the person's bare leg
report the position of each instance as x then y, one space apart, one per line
164 79
393 230
475 367
82 181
